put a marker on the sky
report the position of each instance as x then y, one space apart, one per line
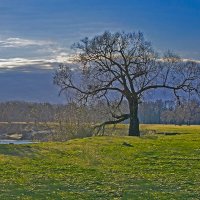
37 34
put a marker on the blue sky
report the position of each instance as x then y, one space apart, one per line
169 24
40 32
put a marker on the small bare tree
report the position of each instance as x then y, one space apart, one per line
123 66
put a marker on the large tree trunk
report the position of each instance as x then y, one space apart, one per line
134 121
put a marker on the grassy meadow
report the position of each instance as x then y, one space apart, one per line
163 164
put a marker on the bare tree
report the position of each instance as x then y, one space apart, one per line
123 66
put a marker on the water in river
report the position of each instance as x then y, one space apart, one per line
15 142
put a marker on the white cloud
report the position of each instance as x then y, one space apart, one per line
192 60
23 62
63 57
182 59
30 51
28 63
20 42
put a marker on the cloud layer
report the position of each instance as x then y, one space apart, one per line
29 54
20 42
23 64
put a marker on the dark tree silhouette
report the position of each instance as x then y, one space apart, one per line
123 66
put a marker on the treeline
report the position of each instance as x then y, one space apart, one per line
18 111
169 112
152 112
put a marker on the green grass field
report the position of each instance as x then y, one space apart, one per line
151 167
